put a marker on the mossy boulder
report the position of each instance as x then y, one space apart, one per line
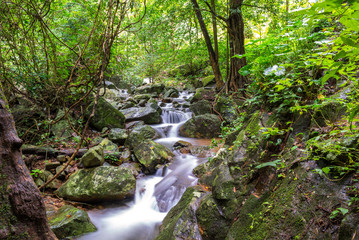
105 183
62 128
140 97
105 116
43 176
70 222
108 146
181 222
147 114
208 80
200 92
94 157
227 108
328 112
150 89
171 93
201 107
151 155
139 134
118 135
210 219
202 126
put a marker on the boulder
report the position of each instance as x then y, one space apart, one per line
139 134
153 104
200 93
105 183
70 222
201 107
202 126
62 128
93 157
140 97
105 116
150 88
43 176
109 146
208 80
118 135
151 154
181 222
171 93
328 112
227 108
146 114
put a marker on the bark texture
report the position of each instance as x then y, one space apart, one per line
22 210
236 42
212 55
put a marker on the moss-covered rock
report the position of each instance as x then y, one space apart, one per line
139 134
201 107
93 157
140 97
118 135
202 126
150 89
227 108
171 93
105 116
151 154
147 114
210 219
328 112
180 222
70 222
105 183
208 80
200 92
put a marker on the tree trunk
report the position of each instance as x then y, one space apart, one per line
212 56
22 210
236 82
215 32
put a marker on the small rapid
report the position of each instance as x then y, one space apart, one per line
155 195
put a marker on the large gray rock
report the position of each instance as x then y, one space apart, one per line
118 135
202 126
105 183
151 154
150 88
172 92
93 157
139 134
146 114
201 107
105 116
69 222
181 222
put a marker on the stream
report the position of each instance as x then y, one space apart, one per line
140 218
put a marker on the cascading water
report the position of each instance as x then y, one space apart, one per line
155 195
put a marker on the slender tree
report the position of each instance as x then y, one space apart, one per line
212 55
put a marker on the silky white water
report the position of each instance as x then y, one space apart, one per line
155 195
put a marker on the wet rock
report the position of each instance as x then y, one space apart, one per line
171 93
118 135
105 116
125 155
126 105
105 183
70 222
200 92
153 104
51 165
93 157
132 125
140 134
201 107
140 97
227 108
202 126
109 146
181 222
151 154
181 144
146 114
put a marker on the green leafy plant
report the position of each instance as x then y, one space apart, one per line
36 172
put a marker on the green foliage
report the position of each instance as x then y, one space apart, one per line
36 172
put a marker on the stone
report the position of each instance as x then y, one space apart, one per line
150 88
200 93
105 183
105 116
227 108
171 93
93 157
181 222
151 154
328 112
201 107
70 222
52 165
139 134
181 144
146 114
208 80
61 158
109 147
140 97
127 105
118 135
43 176
202 126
